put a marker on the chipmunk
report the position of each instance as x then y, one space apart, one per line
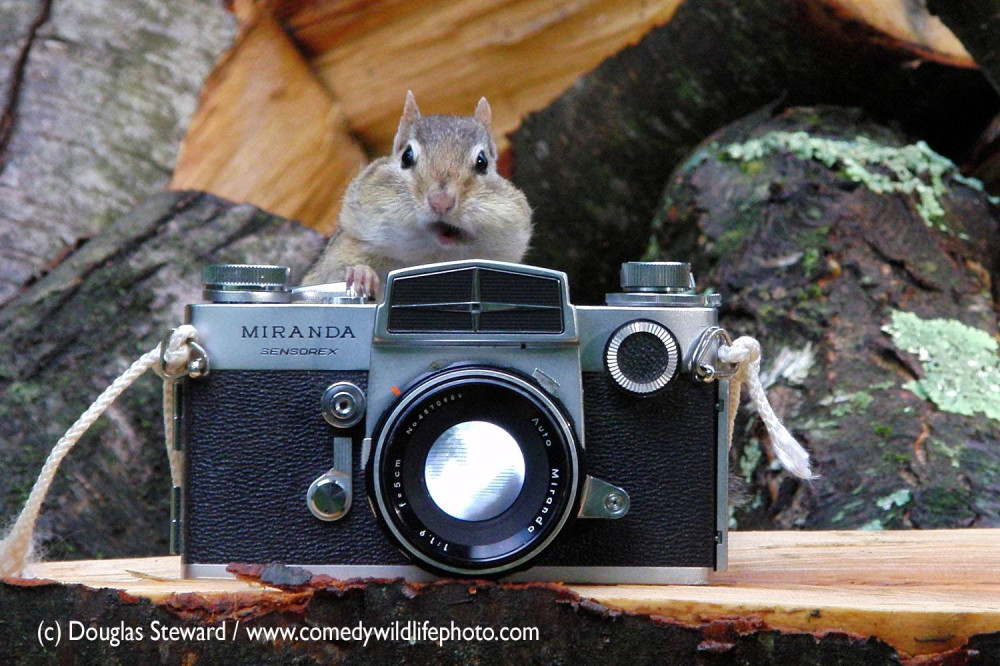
437 197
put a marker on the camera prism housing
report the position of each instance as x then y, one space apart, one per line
474 424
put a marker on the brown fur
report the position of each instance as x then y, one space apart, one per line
387 222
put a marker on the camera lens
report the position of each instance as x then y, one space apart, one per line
474 471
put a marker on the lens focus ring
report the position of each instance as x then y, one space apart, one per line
642 357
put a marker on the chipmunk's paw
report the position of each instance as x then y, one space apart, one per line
364 279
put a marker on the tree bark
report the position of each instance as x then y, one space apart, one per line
66 337
813 260
94 99
593 163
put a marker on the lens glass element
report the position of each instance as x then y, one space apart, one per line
474 471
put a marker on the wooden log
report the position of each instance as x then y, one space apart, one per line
915 597
521 55
984 163
977 25
94 98
451 52
252 141
288 136
594 162
66 337
882 304
267 133
906 25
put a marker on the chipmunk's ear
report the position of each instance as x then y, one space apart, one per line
483 113
410 115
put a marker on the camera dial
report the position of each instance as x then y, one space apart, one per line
642 357
474 471
329 497
659 284
657 276
246 283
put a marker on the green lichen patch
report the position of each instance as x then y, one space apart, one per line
882 430
913 169
900 498
893 505
873 525
811 256
953 454
842 405
750 459
961 365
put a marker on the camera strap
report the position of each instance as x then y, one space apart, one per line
744 353
175 357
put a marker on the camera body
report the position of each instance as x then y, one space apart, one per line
474 424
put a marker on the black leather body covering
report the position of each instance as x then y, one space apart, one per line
663 450
255 441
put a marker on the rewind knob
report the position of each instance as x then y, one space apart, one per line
642 357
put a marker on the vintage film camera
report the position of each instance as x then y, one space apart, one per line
474 424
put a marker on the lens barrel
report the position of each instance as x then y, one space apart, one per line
474 471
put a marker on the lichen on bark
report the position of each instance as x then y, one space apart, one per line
913 169
961 369
806 255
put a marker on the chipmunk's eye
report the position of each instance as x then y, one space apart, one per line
482 163
408 159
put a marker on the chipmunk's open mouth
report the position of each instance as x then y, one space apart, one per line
447 234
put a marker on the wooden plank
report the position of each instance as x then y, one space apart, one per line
267 133
155 578
922 592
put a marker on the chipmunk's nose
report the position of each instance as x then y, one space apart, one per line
441 201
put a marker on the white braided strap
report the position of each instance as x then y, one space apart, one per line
17 547
744 352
